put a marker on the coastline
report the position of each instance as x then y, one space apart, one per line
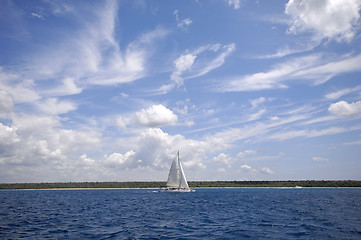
192 184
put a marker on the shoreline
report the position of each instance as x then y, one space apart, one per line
60 189
192 184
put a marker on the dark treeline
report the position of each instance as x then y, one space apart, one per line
192 184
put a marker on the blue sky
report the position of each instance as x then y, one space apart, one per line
246 90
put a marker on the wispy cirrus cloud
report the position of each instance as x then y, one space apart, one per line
91 54
339 93
312 68
194 64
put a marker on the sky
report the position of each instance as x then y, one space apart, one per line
245 90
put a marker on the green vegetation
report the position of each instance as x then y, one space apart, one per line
192 184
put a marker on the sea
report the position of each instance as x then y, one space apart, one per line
215 213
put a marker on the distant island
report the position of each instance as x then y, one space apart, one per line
192 184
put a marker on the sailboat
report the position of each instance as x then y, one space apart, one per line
177 181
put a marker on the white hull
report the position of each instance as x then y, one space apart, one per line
177 190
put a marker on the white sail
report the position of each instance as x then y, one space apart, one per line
174 174
183 180
176 179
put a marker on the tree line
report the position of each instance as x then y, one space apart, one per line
192 184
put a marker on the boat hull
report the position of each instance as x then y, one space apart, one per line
177 190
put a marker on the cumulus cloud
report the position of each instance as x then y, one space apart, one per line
56 106
21 91
118 159
156 115
157 149
266 170
345 109
38 146
331 19
224 159
247 168
246 153
6 103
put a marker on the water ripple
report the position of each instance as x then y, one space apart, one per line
205 214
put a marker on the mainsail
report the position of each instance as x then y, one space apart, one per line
176 177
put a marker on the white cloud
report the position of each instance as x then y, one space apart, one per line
307 68
157 149
274 118
246 167
182 64
266 170
67 87
122 122
256 115
217 61
6 103
271 79
92 53
156 115
258 101
182 23
55 106
40 141
128 66
345 109
332 19
246 153
37 15
224 159
284 135
337 94
235 3
118 159
86 160
297 46
195 64
21 91
320 159
352 143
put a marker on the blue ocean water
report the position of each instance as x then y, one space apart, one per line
240 213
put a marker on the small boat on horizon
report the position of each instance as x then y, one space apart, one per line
177 181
